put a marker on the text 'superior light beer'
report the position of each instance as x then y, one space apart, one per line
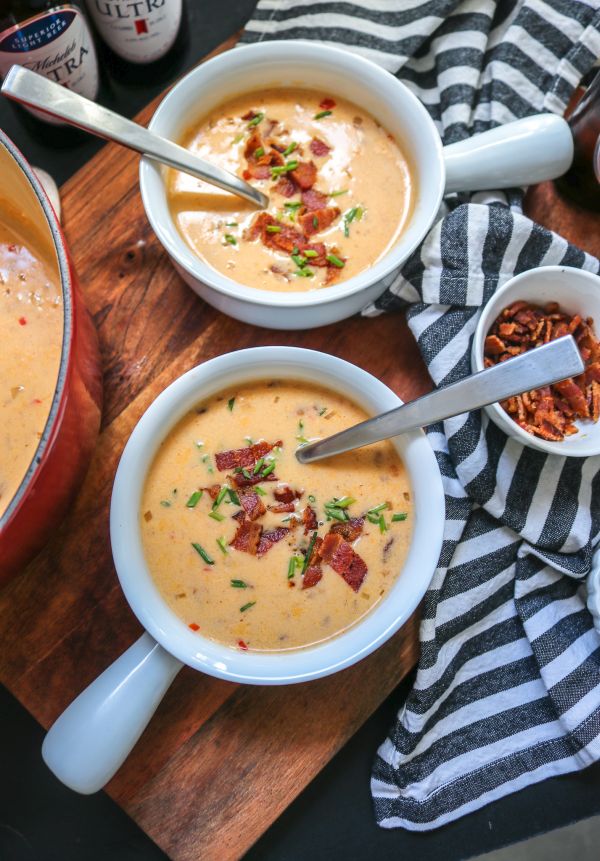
53 40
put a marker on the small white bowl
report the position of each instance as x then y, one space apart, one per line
577 292
94 735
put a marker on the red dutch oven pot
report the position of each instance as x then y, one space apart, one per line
68 439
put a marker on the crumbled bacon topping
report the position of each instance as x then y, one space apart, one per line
268 539
252 504
305 174
313 199
241 480
318 220
286 494
319 147
343 559
550 412
247 537
282 507
327 104
314 572
309 519
243 457
350 530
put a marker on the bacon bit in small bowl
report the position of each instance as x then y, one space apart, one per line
194 626
548 413
242 645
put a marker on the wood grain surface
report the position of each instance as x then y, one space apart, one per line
219 762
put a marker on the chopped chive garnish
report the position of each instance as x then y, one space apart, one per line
247 606
398 517
245 473
289 149
335 261
304 273
336 513
283 168
315 221
194 499
222 545
309 252
382 524
199 549
238 584
344 502
311 498
233 496
309 553
165 503
199 443
216 516
269 469
238 138
210 469
249 440
256 120
258 466
322 411
299 260
273 228
220 496
295 250
354 214
322 114
377 508
296 204
231 224
230 404
229 239
259 152
338 193
295 562
259 490
205 458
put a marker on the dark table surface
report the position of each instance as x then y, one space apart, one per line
41 820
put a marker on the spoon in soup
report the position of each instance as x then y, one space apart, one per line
36 91
543 366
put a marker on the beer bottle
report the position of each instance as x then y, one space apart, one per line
143 39
51 39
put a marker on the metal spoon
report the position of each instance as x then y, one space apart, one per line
36 91
554 361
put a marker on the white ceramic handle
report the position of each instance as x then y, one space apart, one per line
520 153
94 735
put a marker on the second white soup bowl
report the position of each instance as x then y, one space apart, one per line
94 735
518 153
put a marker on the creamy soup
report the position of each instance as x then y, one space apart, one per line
257 551
31 330
341 190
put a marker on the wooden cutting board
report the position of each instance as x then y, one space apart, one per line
219 762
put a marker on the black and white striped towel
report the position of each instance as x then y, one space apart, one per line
508 685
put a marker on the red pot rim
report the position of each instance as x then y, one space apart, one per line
66 284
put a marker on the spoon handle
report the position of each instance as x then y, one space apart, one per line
36 91
554 361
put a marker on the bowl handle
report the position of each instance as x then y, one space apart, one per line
520 153
94 735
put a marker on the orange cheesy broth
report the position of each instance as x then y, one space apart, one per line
228 547
341 190
31 332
